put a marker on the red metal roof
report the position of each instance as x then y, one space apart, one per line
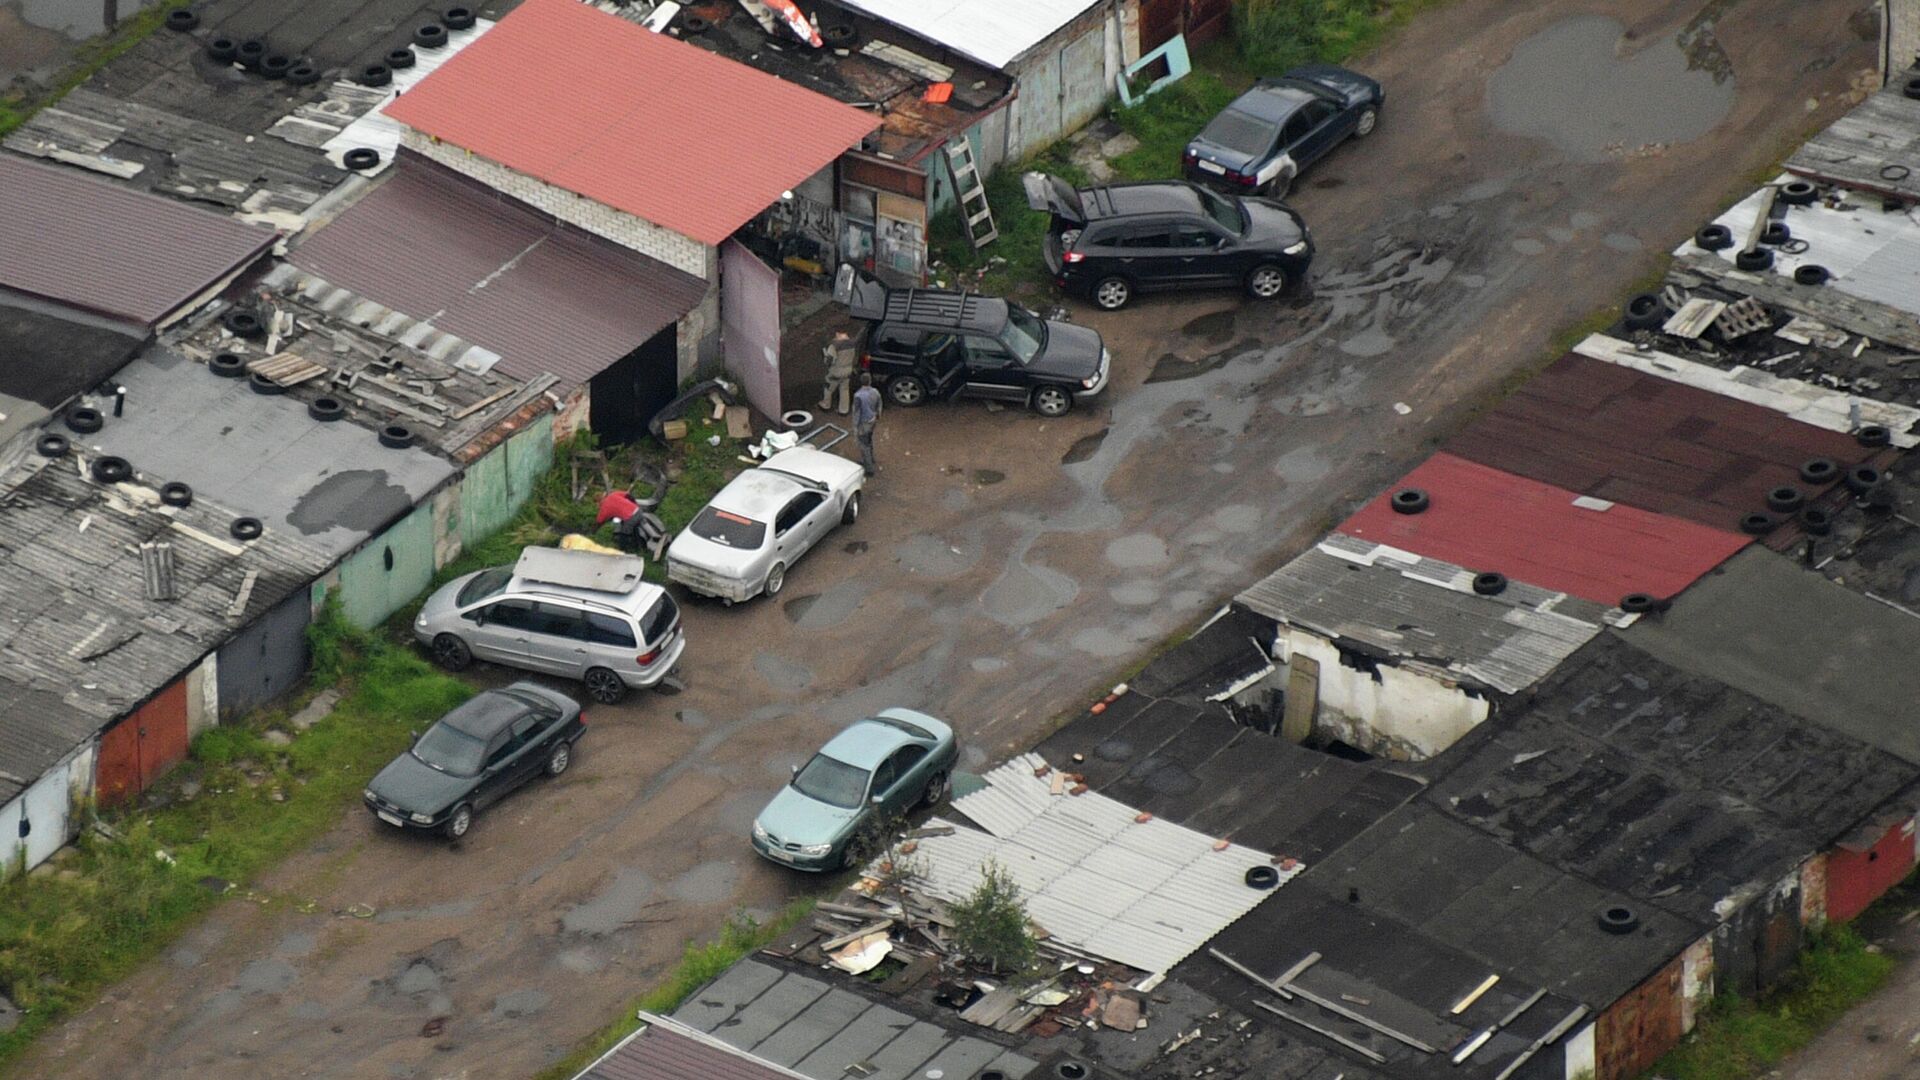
636 120
91 244
1485 519
664 1051
481 266
1629 437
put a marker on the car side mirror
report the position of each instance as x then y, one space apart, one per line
878 799
479 618
793 770
413 736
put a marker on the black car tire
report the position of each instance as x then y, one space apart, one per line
85 419
1715 237
1364 126
303 74
604 686
1278 187
451 653
907 391
112 470
457 18
176 494
246 528
1757 259
1819 471
776 580
430 36
400 58
182 20
561 757
1052 401
1112 293
53 444
460 823
1798 192
275 65
851 513
375 75
1267 281
222 48
936 789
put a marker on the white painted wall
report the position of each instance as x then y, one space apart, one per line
1403 714
45 805
1696 981
1580 1054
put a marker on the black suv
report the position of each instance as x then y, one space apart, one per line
935 343
1107 243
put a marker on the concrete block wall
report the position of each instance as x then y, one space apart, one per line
629 231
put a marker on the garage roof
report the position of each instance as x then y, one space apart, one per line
635 120
994 32
79 240
1487 519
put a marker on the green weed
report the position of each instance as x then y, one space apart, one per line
16 108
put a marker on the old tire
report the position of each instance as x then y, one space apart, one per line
604 686
1785 499
1489 583
52 445
776 580
1776 233
399 59
1798 192
451 653
360 159
561 757
1863 478
851 512
221 48
246 528
303 74
1874 435
1263 876
1820 471
1410 501
935 790
374 75
1646 311
695 24
275 65
1715 237
1815 521
1912 89
457 18
111 469
243 323
396 436
1757 259
85 420
460 822
326 409
1811 274
227 365
182 20
1112 293
1619 919
907 391
1266 281
175 493
250 53
430 36
1051 401
263 385
1639 603
1758 524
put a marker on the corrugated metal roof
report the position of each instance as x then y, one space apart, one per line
1628 437
78 240
1487 519
638 121
668 1050
471 262
1144 894
1425 611
994 32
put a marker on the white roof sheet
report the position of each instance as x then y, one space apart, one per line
1144 894
991 31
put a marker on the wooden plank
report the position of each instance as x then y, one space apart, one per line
1367 1052
1856 150
1553 1034
1286 977
739 422
1366 1021
1693 318
1518 1010
1252 975
1762 217
1474 995
469 410
907 61
239 605
851 936
1303 698
1824 303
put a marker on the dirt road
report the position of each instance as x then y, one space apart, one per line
1880 1038
1006 566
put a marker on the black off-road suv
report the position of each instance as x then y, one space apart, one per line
936 343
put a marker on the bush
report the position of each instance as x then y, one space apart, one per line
990 926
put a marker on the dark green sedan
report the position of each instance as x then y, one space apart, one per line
475 755
877 769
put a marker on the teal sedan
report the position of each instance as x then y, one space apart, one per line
876 770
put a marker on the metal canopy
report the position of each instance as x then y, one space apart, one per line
580 569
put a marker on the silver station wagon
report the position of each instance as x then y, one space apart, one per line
742 543
576 614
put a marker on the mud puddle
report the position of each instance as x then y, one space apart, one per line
1084 447
1581 86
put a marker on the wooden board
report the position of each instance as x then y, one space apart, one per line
1828 305
739 422
1869 148
1303 698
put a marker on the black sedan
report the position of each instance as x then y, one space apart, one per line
1108 243
1271 133
475 755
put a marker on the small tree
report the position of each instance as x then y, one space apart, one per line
990 926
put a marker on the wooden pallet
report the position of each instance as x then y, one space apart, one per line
1742 317
286 369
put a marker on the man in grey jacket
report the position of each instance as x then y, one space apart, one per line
839 370
866 413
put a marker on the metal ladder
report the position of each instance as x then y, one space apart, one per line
971 193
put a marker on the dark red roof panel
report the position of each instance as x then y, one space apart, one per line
478 265
636 120
1629 437
94 245
1484 519
659 1052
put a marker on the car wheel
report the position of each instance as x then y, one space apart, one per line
451 653
776 578
1277 187
460 822
604 686
1112 293
851 513
936 790
907 391
1369 116
1051 401
561 757
1266 282
850 856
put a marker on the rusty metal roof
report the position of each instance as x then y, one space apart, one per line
634 120
666 1049
99 247
545 296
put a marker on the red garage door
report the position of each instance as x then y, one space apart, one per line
135 751
1855 879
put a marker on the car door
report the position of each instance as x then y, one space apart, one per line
992 371
1321 119
1293 134
943 364
557 640
1144 253
891 350
503 769
908 766
1203 253
797 526
500 632
610 640
881 791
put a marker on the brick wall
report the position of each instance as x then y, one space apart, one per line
655 241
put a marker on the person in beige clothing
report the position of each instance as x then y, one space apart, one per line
839 370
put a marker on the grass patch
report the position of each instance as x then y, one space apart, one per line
1738 1038
699 965
234 808
1277 34
17 106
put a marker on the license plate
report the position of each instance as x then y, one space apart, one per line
1209 166
783 856
389 818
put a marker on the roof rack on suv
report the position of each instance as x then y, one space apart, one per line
935 306
589 570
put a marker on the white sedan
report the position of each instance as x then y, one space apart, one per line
746 538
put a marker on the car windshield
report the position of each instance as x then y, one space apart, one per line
1241 132
835 783
1025 334
484 584
1222 210
730 530
450 750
